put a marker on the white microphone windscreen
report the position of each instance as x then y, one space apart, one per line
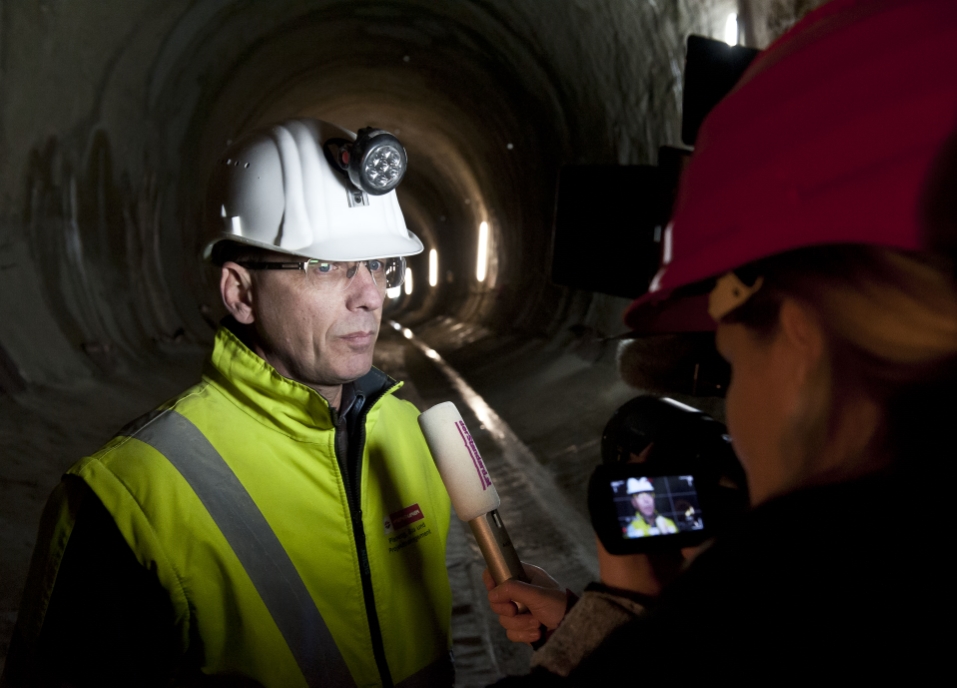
457 458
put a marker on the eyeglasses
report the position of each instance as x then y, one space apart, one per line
387 273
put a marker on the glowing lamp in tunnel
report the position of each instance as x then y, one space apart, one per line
394 292
482 265
433 267
731 29
408 280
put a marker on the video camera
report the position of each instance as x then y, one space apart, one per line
685 489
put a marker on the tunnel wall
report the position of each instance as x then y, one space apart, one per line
112 112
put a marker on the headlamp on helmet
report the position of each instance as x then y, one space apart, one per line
374 163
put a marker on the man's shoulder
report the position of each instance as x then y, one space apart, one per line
192 402
132 473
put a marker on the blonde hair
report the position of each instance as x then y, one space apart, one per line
890 320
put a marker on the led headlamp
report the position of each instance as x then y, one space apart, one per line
375 162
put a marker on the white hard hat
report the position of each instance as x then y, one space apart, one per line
276 189
639 485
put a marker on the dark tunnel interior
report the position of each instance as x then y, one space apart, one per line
113 112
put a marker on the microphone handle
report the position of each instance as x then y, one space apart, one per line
498 551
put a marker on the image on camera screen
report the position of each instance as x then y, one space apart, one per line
663 505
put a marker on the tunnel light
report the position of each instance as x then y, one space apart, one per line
408 281
433 267
731 29
482 265
394 292
407 333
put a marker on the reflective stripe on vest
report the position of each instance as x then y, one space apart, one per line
256 546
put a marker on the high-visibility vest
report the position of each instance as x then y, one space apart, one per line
233 494
639 527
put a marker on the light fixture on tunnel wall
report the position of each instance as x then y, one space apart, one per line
375 162
408 281
481 266
433 267
731 29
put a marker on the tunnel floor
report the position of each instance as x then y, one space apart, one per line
539 459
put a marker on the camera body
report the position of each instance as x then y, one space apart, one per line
669 480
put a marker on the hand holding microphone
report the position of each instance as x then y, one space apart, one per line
470 489
546 600
476 501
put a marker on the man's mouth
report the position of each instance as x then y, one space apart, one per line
359 338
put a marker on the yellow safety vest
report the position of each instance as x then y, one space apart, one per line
232 493
641 528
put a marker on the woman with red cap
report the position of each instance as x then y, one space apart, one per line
798 236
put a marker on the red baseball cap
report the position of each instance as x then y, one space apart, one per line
827 139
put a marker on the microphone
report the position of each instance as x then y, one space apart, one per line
471 490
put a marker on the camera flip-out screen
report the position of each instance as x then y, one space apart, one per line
635 509
654 506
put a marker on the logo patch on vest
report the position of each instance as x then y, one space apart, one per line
402 518
403 528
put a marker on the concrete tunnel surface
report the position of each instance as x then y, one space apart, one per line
111 115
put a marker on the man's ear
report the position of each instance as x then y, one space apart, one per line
802 332
236 288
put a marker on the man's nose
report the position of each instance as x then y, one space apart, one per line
363 292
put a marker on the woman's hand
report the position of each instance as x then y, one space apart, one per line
644 573
545 599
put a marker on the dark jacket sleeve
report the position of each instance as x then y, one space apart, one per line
91 615
816 583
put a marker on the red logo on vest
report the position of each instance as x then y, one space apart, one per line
410 514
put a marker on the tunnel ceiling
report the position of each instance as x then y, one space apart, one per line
112 113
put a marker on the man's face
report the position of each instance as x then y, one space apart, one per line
317 335
644 502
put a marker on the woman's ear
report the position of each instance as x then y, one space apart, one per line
236 288
837 431
803 336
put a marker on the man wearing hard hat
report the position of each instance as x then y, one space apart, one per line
281 523
647 520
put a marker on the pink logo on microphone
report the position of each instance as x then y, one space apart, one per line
474 453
